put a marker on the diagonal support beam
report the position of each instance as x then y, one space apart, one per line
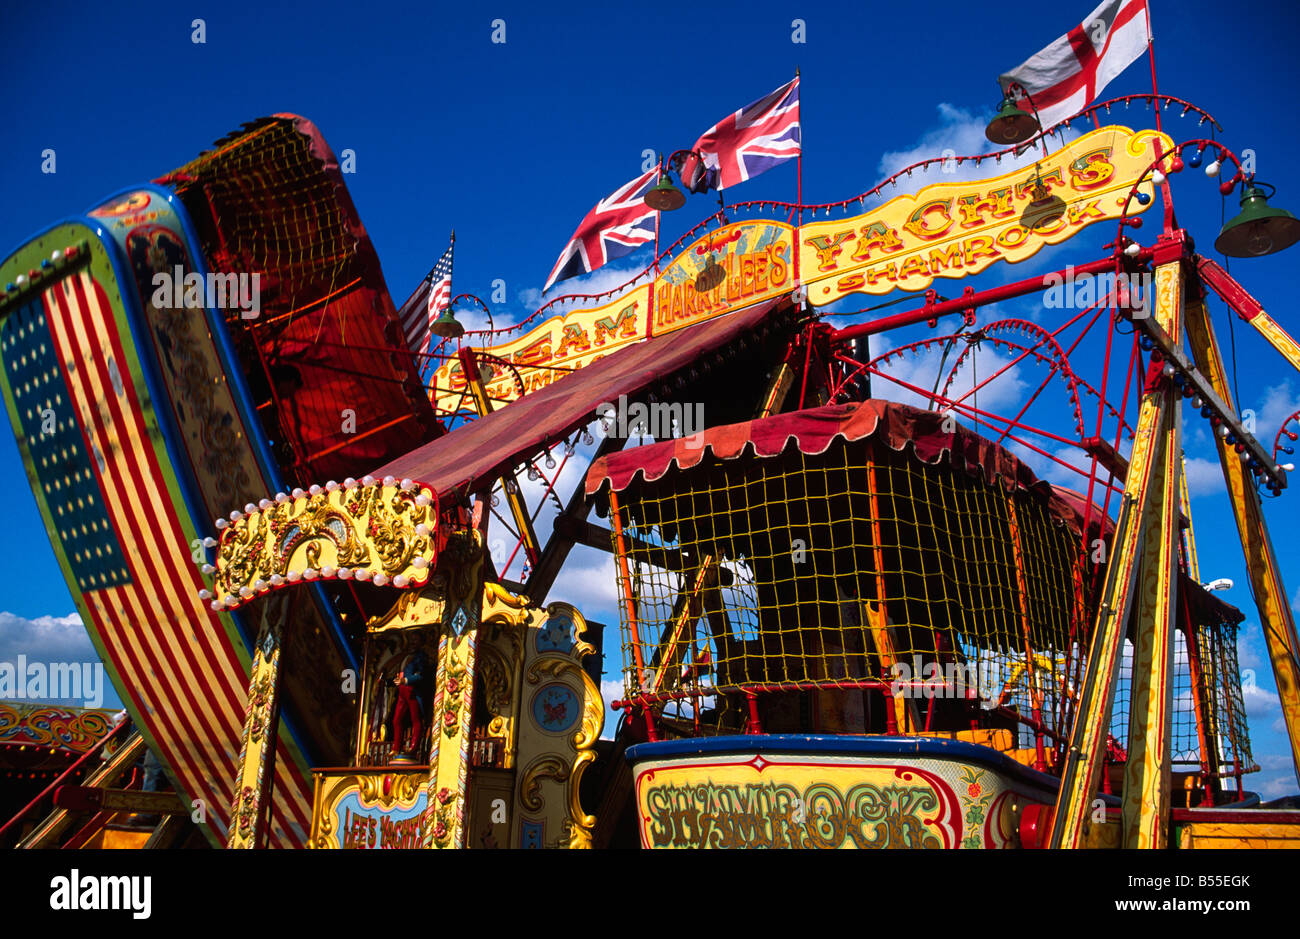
1249 309
566 530
1147 776
1261 560
514 498
1145 483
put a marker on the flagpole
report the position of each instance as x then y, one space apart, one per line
657 216
451 249
1166 190
1151 54
799 159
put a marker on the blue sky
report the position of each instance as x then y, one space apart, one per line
511 143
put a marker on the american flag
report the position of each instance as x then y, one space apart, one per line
617 225
125 547
429 300
756 138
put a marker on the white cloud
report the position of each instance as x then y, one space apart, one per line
1259 702
472 317
45 638
960 132
56 640
1279 403
923 367
587 582
1277 775
609 277
1249 655
610 690
1204 477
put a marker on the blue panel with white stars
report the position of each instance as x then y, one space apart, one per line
58 450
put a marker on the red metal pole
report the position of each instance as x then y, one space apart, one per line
60 780
755 722
982 298
1151 54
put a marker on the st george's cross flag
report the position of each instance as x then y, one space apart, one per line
761 135
427 303
617 225
1071 73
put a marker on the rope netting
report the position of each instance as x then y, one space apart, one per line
1214 687
334 381
862 591
906 596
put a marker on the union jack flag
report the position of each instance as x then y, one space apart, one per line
617 225
756 138
427 303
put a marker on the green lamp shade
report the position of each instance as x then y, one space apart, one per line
1011 125
664 196
446 326
1259 229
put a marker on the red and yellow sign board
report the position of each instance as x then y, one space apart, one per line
741 263
809 800
561 343
947 230
367 809
960 228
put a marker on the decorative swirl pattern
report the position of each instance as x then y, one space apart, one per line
378 532
53 726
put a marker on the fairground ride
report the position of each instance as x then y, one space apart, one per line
850 613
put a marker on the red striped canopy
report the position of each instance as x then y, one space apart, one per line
902 427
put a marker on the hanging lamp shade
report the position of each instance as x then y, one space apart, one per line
1011 125
664 196
446 326
1259 229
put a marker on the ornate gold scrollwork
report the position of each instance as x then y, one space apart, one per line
563 662
402 788
500 606
549 766
414 608
593 721
498 694
369 532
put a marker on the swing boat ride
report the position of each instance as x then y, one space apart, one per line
844 619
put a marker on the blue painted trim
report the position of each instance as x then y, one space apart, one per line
243 401
248 415
159 401
837 745
217 325
166 421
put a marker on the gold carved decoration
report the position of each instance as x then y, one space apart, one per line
593 721
257 742
462 563
497 688
403 787
414 608
333 786
378 533
544 767
503 607
556 657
